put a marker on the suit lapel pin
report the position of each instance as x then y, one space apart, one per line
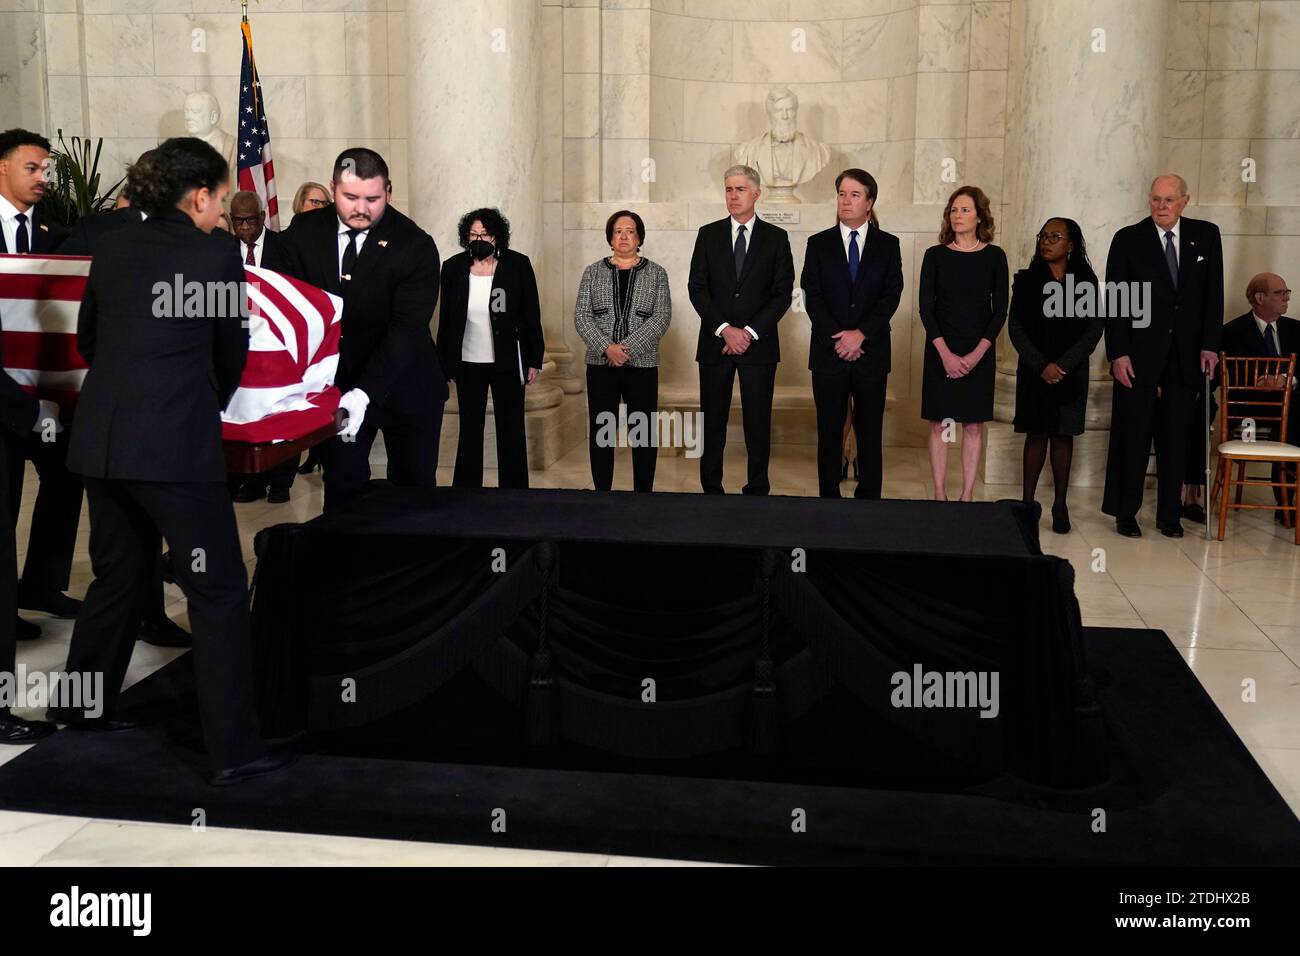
383 243
43 227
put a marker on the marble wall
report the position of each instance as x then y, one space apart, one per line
1232 129
334 73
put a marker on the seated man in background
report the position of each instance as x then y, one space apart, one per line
1265 331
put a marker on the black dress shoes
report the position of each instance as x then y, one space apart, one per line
1171 530
1194 512
16 730
250 491
1061 520
268 763
26 630
277 496
51 602
1128 527
163 632
75 719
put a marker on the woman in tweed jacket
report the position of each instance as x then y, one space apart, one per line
623 310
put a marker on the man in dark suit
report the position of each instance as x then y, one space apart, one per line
19 414
259 246
24 159
1265 331
386 268
852 282
742 275
1159 353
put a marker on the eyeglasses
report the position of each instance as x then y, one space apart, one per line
247 220
318 203
1051 237
480 235
1285 293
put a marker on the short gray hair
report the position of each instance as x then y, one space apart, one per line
261 207
1182 183
748 172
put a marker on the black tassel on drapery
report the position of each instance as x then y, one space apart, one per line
763 707
543 702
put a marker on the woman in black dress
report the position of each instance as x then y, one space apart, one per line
1054 346
963 305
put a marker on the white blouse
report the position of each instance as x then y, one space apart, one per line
477 344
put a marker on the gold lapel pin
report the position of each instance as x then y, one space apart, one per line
346 278
43 227
382 243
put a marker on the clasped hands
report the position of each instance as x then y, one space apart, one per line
848 344
959 366
735 341
616 355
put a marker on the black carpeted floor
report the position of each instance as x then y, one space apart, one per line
1187 792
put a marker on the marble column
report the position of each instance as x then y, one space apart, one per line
474 131
1083 139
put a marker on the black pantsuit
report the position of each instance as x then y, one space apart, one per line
148 444
55 514
517 346
18 411
473 381
638 388
198 521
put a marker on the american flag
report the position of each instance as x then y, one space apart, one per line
253 154
287 389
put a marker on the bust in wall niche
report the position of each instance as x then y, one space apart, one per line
783 156
203 120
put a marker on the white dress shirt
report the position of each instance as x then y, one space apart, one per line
9 222
343 241
862 237
749 236
260 242
477 344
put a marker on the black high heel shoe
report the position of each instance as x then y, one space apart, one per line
1061 520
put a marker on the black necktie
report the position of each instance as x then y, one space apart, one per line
1171 257
349 256
1270 343
854 259
739 253
22 244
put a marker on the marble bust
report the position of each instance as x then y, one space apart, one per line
203 119
783 156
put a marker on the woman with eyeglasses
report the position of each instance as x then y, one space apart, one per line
310 196
490 337
1055 344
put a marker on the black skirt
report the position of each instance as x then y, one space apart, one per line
1043 409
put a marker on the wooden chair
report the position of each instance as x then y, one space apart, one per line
1258 390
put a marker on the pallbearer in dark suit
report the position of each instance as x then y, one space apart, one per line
742 275
1265 331
24 157
19 414
85 239
1177 266
386 269
148 444
490 337
852 282
260 247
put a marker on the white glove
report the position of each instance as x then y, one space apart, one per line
49 412
354 402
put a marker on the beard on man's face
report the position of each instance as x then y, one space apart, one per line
783 130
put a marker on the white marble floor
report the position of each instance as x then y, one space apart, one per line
1230 608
